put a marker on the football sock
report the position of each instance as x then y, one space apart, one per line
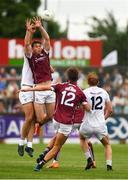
29 144
87 154
57 156
47 149
21 142
109 162
91 151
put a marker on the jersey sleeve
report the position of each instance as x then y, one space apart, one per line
56 87
83 98
28 56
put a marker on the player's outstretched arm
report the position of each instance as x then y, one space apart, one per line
30 29
37 88
52 69
44 34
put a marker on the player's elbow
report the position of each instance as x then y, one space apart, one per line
47 39
87 107
109 111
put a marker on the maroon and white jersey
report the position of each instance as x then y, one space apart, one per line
79 114
68 96
40 67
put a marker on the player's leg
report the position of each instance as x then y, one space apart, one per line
49 111
63 131
85 148
40 112
29 114
29 148
47 149
108 152
44 106
59 141
41 116
102 135
55 163
92 153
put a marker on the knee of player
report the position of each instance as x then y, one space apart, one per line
40 117
56 148
29 118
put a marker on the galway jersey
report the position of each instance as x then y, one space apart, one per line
79 114
68 96
96 97
40 67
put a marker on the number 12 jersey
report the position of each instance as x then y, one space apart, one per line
68 97
96 97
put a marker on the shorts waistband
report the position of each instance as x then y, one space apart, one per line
27 85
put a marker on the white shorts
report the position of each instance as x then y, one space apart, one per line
64 129
76 126
87 131
26 97
42 97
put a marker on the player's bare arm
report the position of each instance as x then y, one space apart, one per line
37 88
108 110
44 34
52 69
30 29
86 107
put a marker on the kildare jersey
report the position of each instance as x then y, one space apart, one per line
27 77
40 67
68 96
96 97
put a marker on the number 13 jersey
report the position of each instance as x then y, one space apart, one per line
96 97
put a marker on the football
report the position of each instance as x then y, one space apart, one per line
47 15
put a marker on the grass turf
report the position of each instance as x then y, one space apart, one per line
72 164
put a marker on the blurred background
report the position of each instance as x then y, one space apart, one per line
89 34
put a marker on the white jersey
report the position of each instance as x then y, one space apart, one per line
96 97
27 77
55 77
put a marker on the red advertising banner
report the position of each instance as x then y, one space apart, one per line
63 52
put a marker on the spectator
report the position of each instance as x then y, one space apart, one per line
13 75
118 103
124 88
3 76
12 89
117 79
101 77
82 82
2 107
125 110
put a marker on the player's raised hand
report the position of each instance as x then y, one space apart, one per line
30 26
37 21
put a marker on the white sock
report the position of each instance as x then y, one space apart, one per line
91 153
109 162
21 142
29 144
54 161
87 154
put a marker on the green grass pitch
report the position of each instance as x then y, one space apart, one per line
72 163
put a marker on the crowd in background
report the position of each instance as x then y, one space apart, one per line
114 80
